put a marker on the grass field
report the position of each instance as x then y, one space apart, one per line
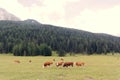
97 67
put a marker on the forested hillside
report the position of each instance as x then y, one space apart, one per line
27 36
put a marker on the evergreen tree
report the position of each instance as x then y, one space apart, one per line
61 53
45 50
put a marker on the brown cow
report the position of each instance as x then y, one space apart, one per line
53 59
80 63
16 61
47 64
30 61
66 64
59 64
62 59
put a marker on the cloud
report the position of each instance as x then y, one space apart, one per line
101 21
30 3
74 8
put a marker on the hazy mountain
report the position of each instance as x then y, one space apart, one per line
4 15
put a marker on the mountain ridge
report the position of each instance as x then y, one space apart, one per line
33 22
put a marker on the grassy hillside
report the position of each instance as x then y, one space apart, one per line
97 67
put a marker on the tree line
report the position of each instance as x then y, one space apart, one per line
25 38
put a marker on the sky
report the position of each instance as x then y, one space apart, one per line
98 16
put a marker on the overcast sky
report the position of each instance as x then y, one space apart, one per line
101 16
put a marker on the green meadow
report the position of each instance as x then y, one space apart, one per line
97 67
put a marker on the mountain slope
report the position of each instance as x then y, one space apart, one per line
58 38
4 15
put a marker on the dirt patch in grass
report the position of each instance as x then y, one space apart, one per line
88 78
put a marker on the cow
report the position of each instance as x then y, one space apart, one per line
16 61
47 64
53 59
66 64
80 63
59 64
62 59
30 61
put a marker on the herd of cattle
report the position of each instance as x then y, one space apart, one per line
61 63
